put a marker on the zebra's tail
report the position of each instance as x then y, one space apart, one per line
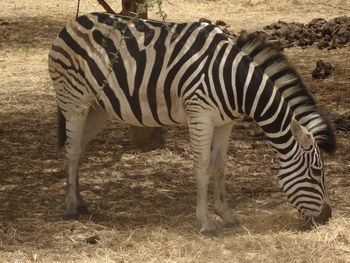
62 136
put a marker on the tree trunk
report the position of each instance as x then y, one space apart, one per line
130 8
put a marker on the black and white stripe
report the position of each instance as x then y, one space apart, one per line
148 73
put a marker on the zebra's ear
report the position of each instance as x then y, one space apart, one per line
301 134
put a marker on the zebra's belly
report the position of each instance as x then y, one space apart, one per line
143 115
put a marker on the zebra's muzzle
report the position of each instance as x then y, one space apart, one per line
321 219
325 215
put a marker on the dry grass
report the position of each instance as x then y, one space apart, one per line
143 204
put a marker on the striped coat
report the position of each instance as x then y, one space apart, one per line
147 73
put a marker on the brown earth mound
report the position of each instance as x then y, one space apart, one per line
331 34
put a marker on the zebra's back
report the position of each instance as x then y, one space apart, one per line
138 72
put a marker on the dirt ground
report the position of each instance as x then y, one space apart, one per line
143 204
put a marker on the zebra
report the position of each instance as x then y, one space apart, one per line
151 74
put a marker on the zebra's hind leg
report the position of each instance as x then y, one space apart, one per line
75 124
218 163
80 130
95 121
201 132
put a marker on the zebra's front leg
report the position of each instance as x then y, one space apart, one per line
218 163
201 133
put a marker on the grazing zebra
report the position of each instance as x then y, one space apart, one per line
148 73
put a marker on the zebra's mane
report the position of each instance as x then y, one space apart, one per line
291 87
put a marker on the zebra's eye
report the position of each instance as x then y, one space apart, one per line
316 171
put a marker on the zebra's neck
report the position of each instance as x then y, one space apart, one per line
259 82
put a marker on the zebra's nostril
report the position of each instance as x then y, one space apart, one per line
325 215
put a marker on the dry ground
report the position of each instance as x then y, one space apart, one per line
143 204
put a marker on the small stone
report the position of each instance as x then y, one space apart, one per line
323 70
93 239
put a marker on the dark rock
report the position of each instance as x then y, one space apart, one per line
93 239
316 22
323 70
332 23
347 35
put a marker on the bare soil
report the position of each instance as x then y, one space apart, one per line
143 203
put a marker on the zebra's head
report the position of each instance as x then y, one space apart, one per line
302 177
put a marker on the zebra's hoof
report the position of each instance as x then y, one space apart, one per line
208 233
231 224
70 217
83 210
234 222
